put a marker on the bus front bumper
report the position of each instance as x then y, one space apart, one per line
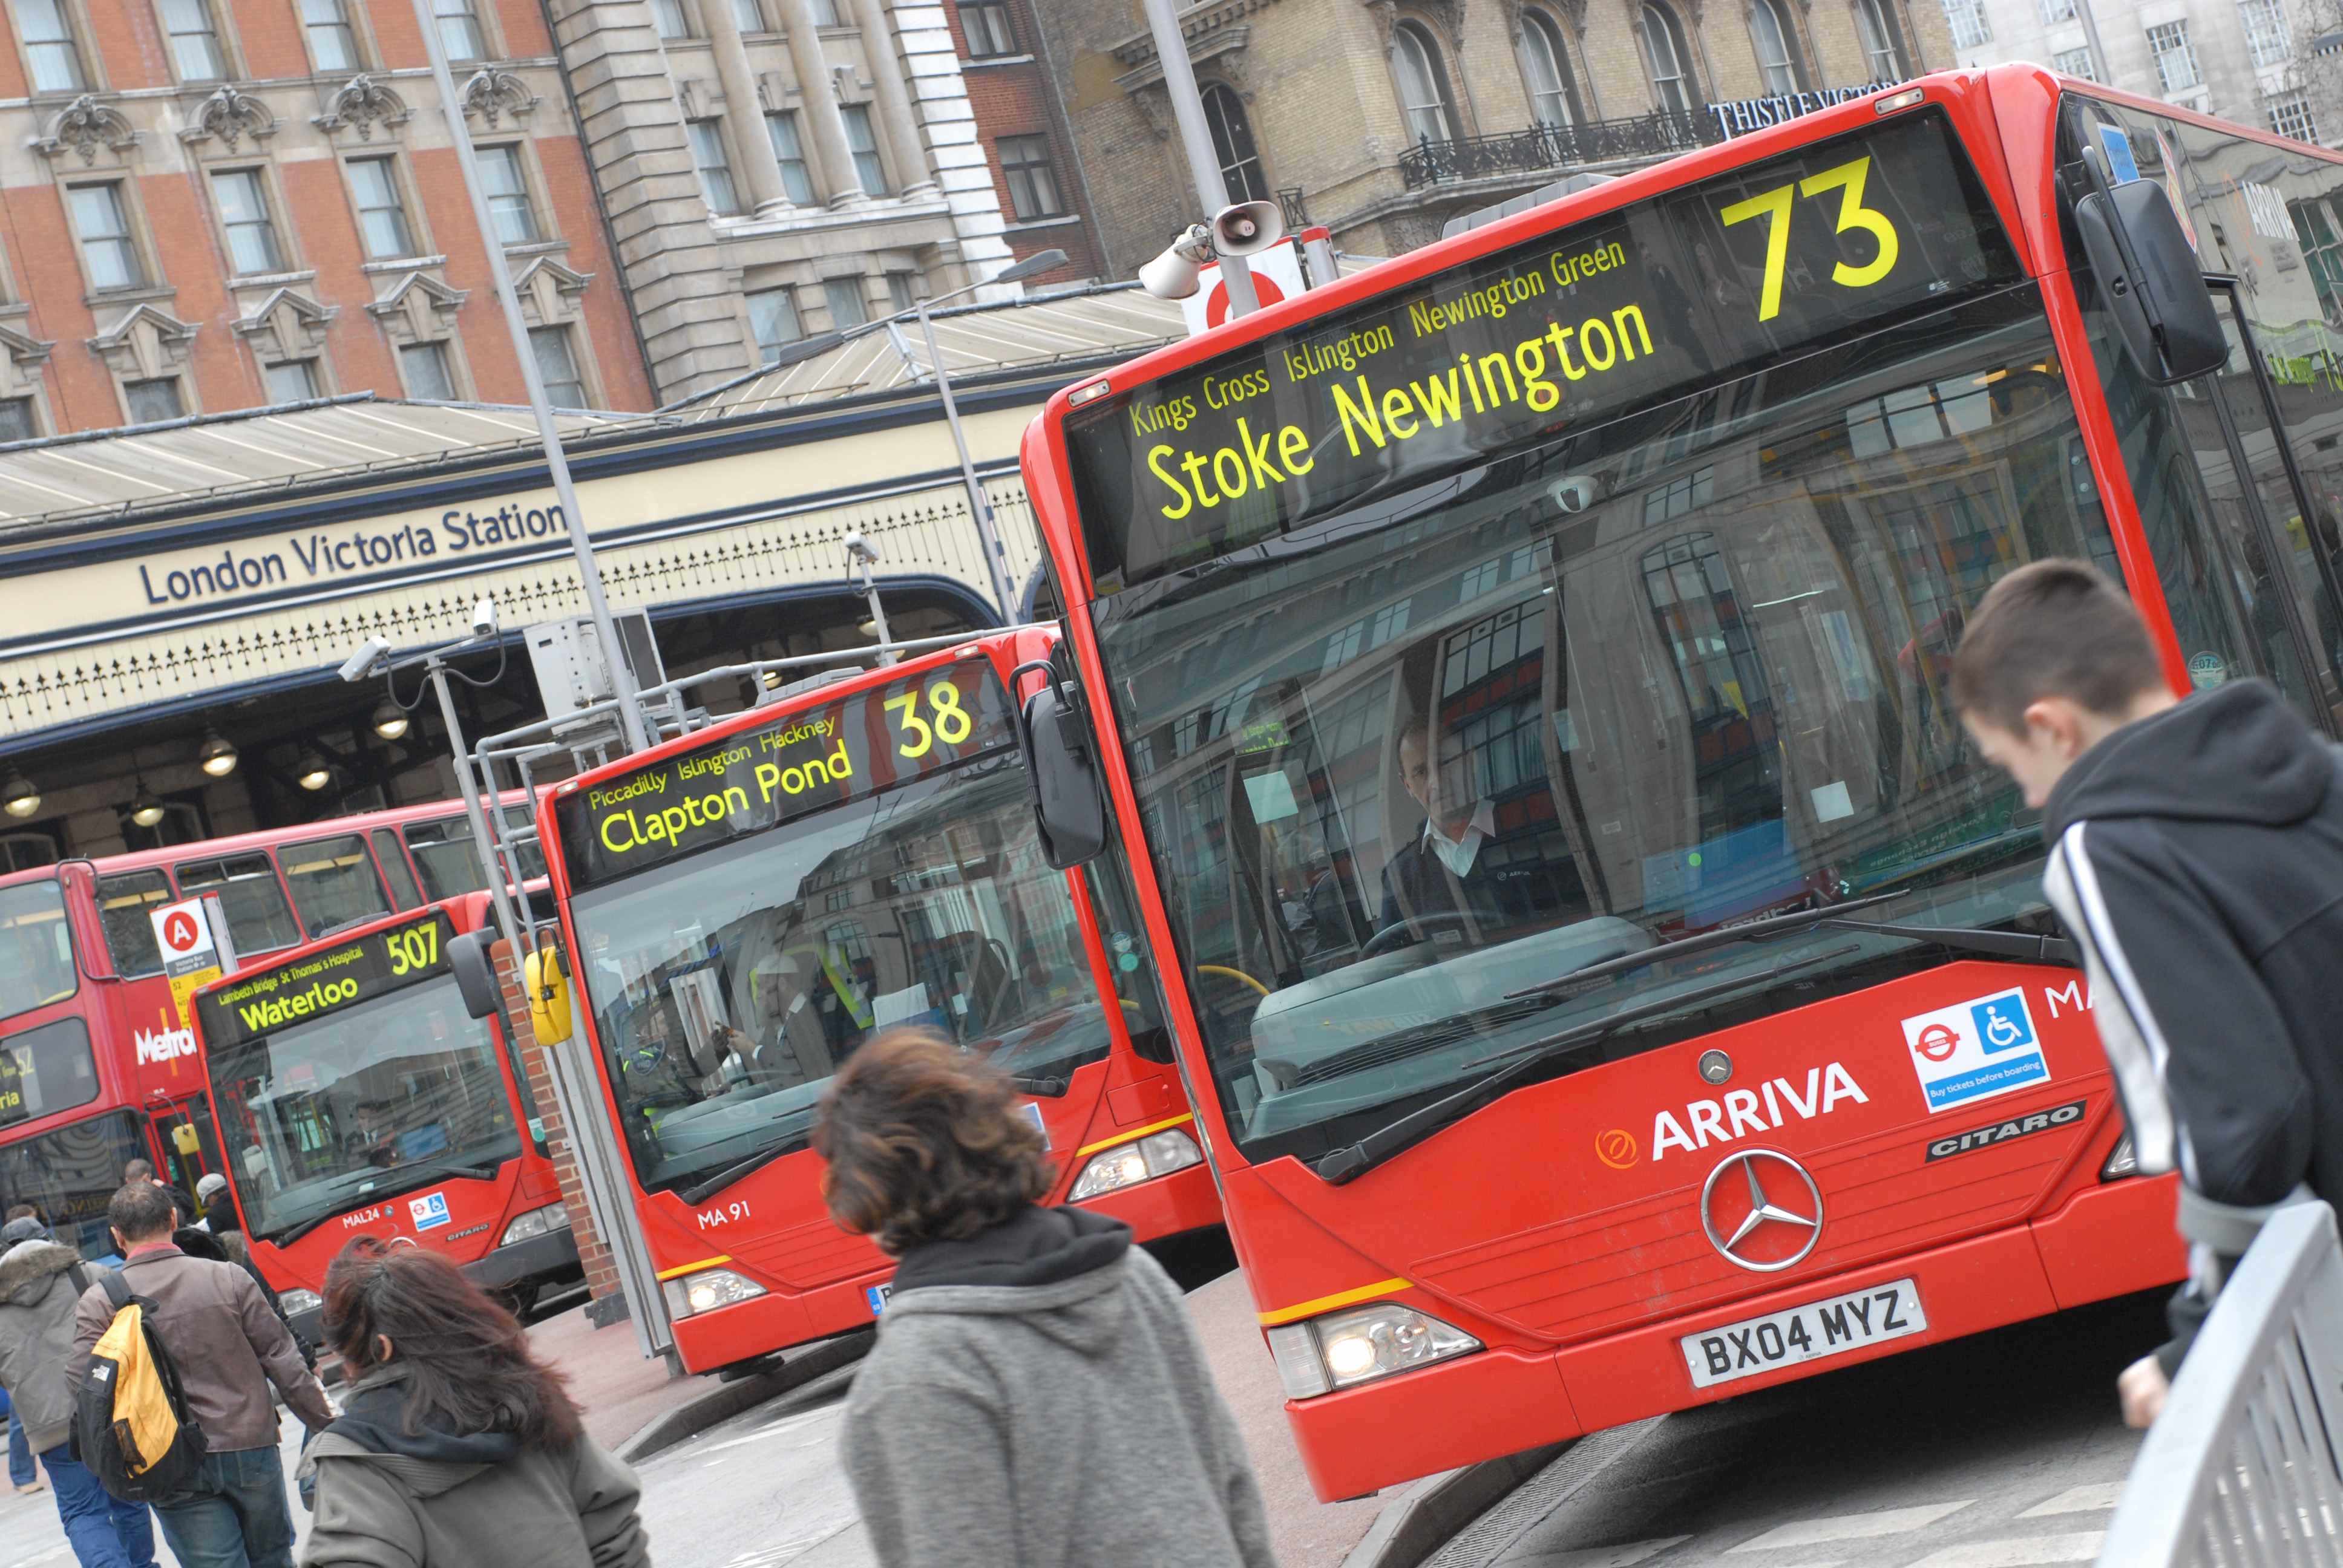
540 1260
2107 1241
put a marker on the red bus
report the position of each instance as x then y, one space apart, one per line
355 1094
1611 981
95 1067
744 905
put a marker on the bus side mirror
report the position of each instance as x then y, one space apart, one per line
1069 797
2153 282
475 973
549 995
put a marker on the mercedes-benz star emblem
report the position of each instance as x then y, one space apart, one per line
1759 1234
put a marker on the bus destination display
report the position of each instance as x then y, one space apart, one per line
757 778
1580 324
325 983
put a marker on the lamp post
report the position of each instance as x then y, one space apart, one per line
1196 137
980 506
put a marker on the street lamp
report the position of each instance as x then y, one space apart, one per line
18 797
980 506
216 756
390 720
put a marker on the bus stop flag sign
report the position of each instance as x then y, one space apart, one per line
194 940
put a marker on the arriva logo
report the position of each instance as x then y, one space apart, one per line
165 1045
1743 1113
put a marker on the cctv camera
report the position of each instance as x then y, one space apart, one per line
859 549
484 618
355 668
1574 494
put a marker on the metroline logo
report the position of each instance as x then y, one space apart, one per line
163 1045
1743 1113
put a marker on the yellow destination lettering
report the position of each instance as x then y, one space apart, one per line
1360 414
1848 179
1773 207
909 721
1155 456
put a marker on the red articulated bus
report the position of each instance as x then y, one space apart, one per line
355 1095
745 905
1611 981
96 1067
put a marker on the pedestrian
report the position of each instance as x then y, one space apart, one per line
181 1203
218 1208
38 1295
23 1474
456 1445
1011 1326
229 1349
2197 858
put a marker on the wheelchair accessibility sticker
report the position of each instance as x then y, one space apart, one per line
429 1212
1975 1050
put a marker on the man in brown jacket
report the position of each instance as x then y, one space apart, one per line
230 1348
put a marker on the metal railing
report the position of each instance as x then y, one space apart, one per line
1543 147
2245 1466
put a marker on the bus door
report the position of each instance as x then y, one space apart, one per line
189 1143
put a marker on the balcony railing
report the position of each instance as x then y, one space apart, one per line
1544 147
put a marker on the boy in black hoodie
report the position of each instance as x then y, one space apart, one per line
2196 857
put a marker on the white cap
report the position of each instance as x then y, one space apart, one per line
215 1182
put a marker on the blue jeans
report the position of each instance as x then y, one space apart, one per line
234 1516
20 1452
105 1533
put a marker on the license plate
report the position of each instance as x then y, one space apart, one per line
1803 1333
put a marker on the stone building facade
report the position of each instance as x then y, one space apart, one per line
1383 118
209 204
1037 173
2254 62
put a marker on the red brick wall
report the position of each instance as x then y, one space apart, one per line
1016 100
593 1253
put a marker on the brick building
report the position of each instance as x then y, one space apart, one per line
209 204
1382 119
1036 171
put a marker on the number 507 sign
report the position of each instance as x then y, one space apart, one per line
196 950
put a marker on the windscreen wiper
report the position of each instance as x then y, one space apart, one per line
1701 941
1980 940
373 1195
1350 1163
701 1191
1042 1087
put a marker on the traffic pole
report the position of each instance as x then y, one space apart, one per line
1203 162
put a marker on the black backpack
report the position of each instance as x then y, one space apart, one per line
131 1424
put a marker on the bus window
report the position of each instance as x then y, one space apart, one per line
451 866
333 882
68 1175
403 891
45 1070
36 956
258 919
125 904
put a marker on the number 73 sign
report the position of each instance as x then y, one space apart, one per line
1775 207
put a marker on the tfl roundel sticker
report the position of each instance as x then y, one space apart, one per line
1975 1049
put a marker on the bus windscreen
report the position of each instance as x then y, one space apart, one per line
1567 330
351 1075
747 912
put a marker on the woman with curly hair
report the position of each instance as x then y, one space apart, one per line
456 1446
1037 1395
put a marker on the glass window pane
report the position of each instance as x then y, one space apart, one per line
259 917
773 318
36 955
459 31
506 183
862 141
382 213
123 903
69 1173
901 291
17 421
45 1070
846 309
424 366
105 231
1423 94
333 882
195 46
668 16
243 213
796 180
748 16
825 13
49 42
292 381
333 45
557 366
152 402
402 890
444 857
1233 144
1766 30
715 168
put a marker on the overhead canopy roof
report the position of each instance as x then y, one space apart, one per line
1118 321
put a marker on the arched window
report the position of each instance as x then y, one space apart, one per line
1778 49
1663 39
1422 85
1545 70
1233 144
1883 41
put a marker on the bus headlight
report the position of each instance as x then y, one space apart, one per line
707 1290
1360 1345
296 1300
2124 1161
1128 1165
537 1223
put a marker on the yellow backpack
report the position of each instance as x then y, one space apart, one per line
131 1426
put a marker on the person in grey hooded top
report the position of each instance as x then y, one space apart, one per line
455 1446
1037 1395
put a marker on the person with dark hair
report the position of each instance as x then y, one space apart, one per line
457 1445
230 1349
144 1170
39 1284
1440 875
2197 858
1010 1326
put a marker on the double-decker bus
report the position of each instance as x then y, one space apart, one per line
1610 980
744 906
96 1067
355 1094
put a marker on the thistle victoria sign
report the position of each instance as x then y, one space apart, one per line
1739 117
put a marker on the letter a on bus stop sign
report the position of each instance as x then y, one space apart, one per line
193 937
